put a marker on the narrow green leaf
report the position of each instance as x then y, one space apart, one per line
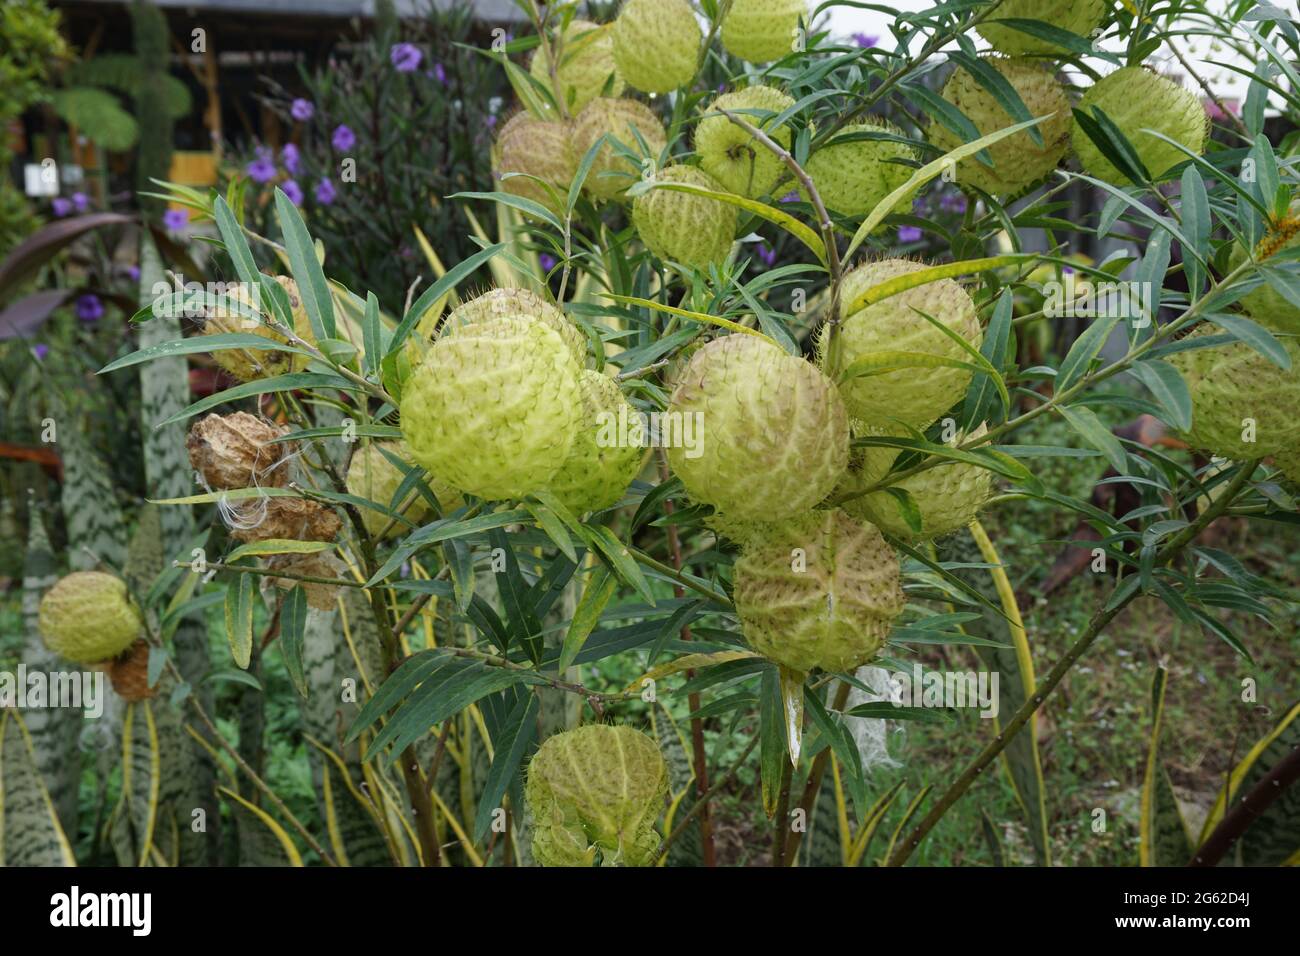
239 620
293 627
312 287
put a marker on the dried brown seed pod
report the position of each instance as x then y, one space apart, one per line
237 451
323 597
295 519
129 674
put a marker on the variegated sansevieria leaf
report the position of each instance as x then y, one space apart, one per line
96 527
262 840
1273 838
355 823
30 833
53 730
134 818
1163 838
164 391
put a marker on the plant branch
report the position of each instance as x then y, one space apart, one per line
1076 650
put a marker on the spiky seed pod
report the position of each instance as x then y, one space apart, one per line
507 303
88 617
1264 303
599 467
774 436
657 44
762 30
1076 16
239 451
493 410
1238 394
586 68
915 396
597 789
694 230
293 519
129 674
821 591
629 123
853 176
535 148
1136 99
1017 160
948 496
249 364
373 475
323 597
730 155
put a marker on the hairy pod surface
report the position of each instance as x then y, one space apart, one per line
373 475
821 591
534 150
762 30
88 617
1018 161
512 303
696 231
600 465
493 409
596 789
854 176
775 435
914 396
586 66
1076 16
732 156
1243 406
947 496
1136 99
631 124
249 364
657 44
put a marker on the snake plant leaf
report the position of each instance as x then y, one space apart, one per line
30 833
1163 836
53 730
1273 839
262 841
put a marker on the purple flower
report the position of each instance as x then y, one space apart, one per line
175 220
953 202
406 57
766 254
343 139
440 74
133 273
547 262
262 169
80 201
40 350
89 308
909 234
61 207
302 110
791 196
865 40
490 122
293 191
289 156
325 193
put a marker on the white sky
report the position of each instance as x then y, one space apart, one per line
1229 85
